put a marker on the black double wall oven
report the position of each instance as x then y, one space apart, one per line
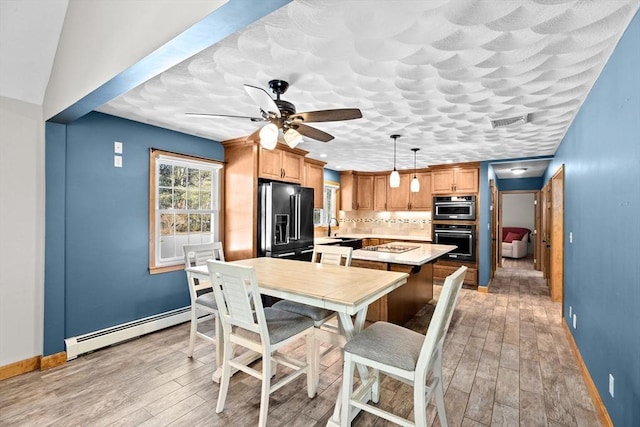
454 224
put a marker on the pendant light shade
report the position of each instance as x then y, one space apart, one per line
269 136
394 178
415 184
292 137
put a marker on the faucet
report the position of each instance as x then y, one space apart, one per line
329 227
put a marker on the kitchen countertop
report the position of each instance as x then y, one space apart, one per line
423 238
424 253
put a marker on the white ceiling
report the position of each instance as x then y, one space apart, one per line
433 71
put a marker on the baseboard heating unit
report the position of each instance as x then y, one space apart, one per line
117 334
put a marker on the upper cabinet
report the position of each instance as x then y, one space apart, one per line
364 192
454 180
281 165
314 178
380 185
402 199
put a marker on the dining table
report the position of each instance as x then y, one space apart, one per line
346 290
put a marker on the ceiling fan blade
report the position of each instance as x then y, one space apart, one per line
312 133
263 100
208 115
328 115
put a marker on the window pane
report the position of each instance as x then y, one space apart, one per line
165 198
182 223
166 224
165 176
206 223
180 176
205 199
179 199
194 223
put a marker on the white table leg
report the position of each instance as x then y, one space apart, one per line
350 330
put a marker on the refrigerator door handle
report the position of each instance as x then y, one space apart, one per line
296 215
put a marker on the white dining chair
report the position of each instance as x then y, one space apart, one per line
201 293
405 355
246 323
324 254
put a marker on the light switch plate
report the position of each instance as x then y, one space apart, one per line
117 147
117 161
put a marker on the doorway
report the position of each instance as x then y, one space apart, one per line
518 212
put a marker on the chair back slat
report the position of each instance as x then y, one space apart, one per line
440 320
336 255
195 255
235 287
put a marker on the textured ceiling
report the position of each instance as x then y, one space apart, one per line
433 71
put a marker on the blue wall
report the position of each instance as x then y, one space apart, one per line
103 238
513 184
484 223
601 155
331 175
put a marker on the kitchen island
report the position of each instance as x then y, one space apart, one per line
417 259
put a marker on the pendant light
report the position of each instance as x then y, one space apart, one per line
394 178
269 136
415 184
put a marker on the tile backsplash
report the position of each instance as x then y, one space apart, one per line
395 223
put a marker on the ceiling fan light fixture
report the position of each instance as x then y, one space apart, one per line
269 136
292 137
415 184
394 178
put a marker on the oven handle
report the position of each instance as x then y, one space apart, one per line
462 233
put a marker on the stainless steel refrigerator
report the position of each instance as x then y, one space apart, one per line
285 215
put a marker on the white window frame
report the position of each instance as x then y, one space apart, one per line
326 214
158 264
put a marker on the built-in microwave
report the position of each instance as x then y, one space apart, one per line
454 207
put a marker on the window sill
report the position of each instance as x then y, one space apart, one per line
165 269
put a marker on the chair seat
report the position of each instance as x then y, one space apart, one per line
283 324
389 344
315 313
208 300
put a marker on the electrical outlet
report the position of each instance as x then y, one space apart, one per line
117 161
575 320
571 237
570 311
117 147
611 384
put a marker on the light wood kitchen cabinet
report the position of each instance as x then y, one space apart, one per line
402 199
423 199
280 165
398 198
454 180
380 185
348 188
314 178
364 193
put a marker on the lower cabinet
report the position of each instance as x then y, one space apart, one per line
442 269
402 303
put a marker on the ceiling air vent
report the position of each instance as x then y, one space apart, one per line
498 123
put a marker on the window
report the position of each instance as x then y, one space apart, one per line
184 207
330 208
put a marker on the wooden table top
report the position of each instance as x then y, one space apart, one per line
339 288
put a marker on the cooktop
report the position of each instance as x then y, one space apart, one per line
396 249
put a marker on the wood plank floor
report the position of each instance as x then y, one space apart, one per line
507 362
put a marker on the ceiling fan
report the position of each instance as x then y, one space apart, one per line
282 114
